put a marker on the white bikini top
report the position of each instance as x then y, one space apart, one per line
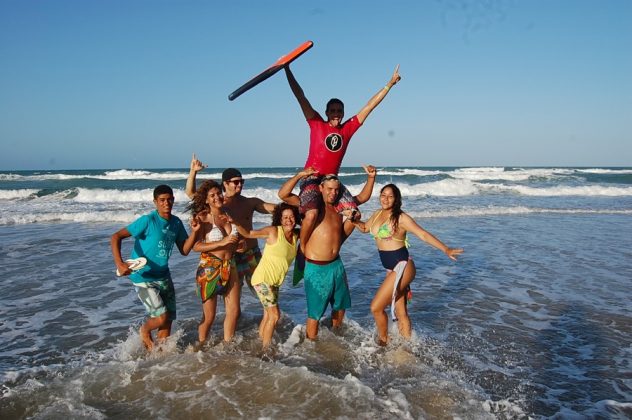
215 234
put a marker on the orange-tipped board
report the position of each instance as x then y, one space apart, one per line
278 65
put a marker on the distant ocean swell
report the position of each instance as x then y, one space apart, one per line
127 216
82 196
445 188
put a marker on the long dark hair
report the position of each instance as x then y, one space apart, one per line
396 211
278 211
198 202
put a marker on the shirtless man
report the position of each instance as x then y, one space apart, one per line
325 276
286 194
241 209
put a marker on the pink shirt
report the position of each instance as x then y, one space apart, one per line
328 145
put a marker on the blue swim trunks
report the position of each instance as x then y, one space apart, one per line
158 297
326 284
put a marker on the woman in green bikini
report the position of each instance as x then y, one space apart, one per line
389 227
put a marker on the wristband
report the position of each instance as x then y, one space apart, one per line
387 87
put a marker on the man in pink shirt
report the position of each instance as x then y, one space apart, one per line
328 144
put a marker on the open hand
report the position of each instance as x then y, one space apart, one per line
452 253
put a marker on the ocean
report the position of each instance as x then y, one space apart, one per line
533 321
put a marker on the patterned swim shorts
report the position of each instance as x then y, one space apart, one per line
268 295
246 262
158 297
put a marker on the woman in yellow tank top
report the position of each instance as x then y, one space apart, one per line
278 255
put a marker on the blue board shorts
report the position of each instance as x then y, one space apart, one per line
326 284
158 297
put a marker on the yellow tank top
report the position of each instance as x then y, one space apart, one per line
276 261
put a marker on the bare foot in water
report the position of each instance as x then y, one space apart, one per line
145 336
197 346
381 342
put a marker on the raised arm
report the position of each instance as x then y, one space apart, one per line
285 192
196 166
367 190
306 107
377 98
409 224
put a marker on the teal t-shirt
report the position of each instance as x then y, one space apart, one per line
155 238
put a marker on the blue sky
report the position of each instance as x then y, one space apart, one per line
143 84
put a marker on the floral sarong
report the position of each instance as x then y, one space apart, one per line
212 276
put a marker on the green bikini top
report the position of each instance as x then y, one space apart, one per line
385 232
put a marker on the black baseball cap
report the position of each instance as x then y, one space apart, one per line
230 173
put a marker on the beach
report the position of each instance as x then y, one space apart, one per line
534 320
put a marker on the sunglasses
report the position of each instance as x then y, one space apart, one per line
237 181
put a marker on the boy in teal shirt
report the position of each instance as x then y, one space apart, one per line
155 234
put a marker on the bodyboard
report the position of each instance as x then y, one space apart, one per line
270 71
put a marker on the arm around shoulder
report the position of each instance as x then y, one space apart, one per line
261 206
